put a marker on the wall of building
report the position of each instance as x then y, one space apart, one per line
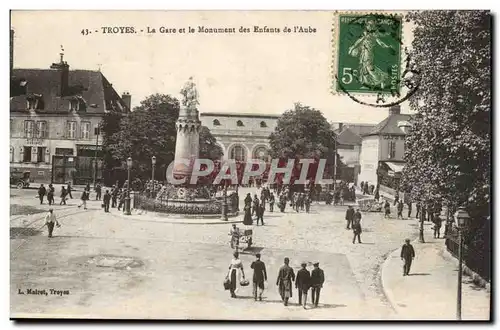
369 157
399 150
56 137
251 136
350 157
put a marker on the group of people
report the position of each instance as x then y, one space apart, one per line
353 219
257 206
367 188
304 280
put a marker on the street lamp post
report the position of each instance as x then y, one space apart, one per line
96 132
421 229
127 199
153 162
224 204
461 219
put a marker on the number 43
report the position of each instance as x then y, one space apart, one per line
347 74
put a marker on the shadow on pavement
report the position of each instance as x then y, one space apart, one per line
252 250
419 274
16 232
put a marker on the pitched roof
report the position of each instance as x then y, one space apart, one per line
348 137
93 88
238 114
389 125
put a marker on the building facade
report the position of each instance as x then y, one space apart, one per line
349 143
54 119
382 149
241 136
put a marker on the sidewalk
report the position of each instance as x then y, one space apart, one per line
430 292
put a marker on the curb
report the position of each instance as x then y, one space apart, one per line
387 292
180 222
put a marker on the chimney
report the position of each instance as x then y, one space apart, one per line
11 50
395 110
64 68
127 99
341 125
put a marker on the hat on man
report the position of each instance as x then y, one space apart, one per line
407 240
303 264
257 255
316 263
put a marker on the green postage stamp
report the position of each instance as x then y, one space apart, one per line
368 53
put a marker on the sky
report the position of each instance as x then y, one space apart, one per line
262 73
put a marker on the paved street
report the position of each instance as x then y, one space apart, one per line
118 266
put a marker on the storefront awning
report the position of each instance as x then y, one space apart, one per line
396 167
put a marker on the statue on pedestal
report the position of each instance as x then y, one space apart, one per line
190 94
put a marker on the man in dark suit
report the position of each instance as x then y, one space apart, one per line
349 216
407 254
302 283
259 276
106 200
260 213
317 280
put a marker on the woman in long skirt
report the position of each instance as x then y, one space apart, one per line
235 273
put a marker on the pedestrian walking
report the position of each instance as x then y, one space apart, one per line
437 225
234 232
50 194
396 198
271 202
41 193
286 276
50 221
255 205
400 209
409 209
307 202
248 200
121 198
235 274
98 191
349 216
259 277
387 209
87 186
356 227
407 255
106 200
69 190
302 283
260 213
64 192
114 196
84 198
317 280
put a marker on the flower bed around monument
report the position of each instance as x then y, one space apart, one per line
188 207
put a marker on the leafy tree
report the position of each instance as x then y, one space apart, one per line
448 149
149 131
303 133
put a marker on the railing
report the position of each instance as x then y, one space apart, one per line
478 261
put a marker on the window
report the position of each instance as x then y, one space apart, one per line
11 126
263 124
71 129
11 154
29 126
40 154
260 153
392 149
238 153
216 122
239 123
27 154
41 129
32 103
73 105
85 130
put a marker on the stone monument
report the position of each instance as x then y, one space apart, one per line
188 131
